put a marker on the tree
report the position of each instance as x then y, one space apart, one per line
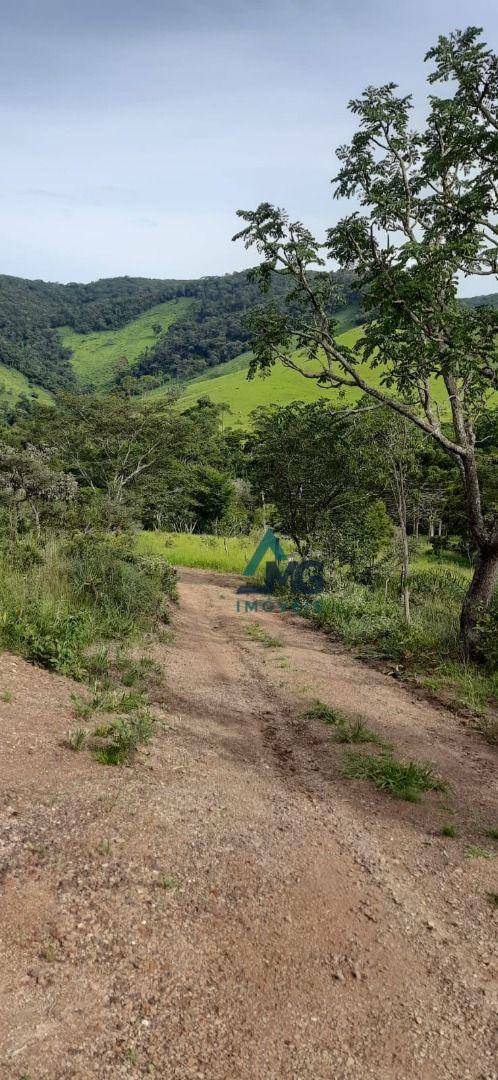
428 216
299 460
29 480
387 452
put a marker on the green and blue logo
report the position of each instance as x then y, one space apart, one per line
270 542
303 576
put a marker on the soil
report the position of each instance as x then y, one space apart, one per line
230 906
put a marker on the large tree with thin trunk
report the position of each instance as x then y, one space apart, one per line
426 217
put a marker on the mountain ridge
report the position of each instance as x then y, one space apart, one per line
53 335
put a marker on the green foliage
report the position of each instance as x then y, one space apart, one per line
100 357
134 672
122 738
473 851
93 589
211 496
319 711
347 729
282 386
365 615
355 731
422 219
17 388
403 780
44 630
76 739
216 329
226 554
128 587
257 633
449 831
31 486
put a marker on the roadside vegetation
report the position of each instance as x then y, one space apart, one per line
226 554
427 217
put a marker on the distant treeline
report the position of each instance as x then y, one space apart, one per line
213 330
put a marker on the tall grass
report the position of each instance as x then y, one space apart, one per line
225 554
430 647
66 597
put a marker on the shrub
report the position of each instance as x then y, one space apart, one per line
45 631
106 572
72 596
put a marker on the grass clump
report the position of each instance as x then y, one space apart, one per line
450 831
493 899
346 730
76 739
403 780
355 731
492 833
319 711
107 700
122 738
135 672
473 851
256 632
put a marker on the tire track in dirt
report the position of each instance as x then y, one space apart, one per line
230 908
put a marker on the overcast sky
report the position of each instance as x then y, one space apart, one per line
132 130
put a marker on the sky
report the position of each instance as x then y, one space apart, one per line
132 130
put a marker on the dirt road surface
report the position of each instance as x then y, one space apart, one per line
230 907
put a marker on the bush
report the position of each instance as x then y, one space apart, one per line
45 631
106 572
70 597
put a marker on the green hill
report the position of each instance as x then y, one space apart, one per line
96 357
228 384
13 385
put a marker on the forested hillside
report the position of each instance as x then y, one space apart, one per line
207 331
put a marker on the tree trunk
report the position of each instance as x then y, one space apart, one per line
405 574
480 591
477 599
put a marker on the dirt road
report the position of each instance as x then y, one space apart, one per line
231 907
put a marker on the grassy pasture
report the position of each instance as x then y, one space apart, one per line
95 356
226 554
228 384
13 383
